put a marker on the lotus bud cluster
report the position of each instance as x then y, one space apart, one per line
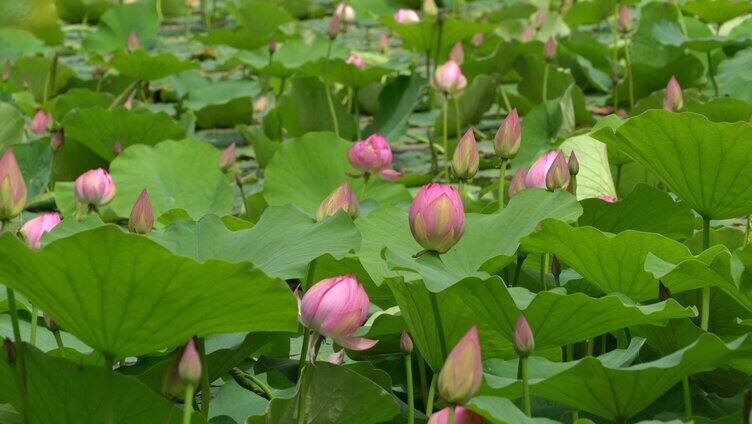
12 187
466 158
461 375
508 137
437 217
94 187
335 308
449 79
342 198
34 229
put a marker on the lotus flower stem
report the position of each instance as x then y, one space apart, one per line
328 92
205 10
303 352
34 318
188 404
710 74
630 77
439 325
109 401
505 98
522 375
302 397
21 369
159 10
746 231
502 182
49 83
450 415
423 378
517 270
457 115
410 393
570 352
125 94
59 340
431 394
205 383
687 398
705 318
357 114
252 383
446 139
366 177
545 82
615 59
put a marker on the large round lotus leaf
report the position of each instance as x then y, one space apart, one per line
706 163
125 295
177 174
36 16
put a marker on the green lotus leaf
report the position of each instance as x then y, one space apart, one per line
15 43
30 74
304 109
497 410
125 295
396 101
337 71
717 11
119 22
141 66
733 80
36 16
682 148
594 178
12 130
421 36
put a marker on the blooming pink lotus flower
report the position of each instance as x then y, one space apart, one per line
335 308
132 43
356 61
527 34
34 228
549 49
406 16
509 136
625 19
523 337
341 198
345 12
458 53
449 79
189 367
12 186
608 199
674 99
41 122
94 187
466 158
437 217
536 176
227 159
462 415
371 155
558 173
518 182
460 377
142 215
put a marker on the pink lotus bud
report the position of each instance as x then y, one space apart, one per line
625 19
462 415
518 182
389 174
341 198
41 122
50 323
335 308
437 217
449 79
509 136
539 18
259 105
549 49
523 337
370 155
674 99
272 47
608 199
94 187
34 228
466 158
227 159
57 139
383 42
406 343
333 29
10 350
536 176
558 174
460 377
189 367
142 215
528 34
430 8
573 164
477 39
345 12
458 53
12 187
337 358
117 148
132 43
406 16
356 61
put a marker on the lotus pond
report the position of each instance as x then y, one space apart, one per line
375 211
